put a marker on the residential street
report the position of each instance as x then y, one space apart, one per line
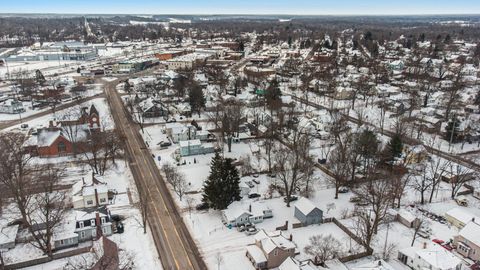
175 246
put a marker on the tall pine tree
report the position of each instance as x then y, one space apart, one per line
395 147
222 185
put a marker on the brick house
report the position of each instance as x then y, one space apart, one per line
64 137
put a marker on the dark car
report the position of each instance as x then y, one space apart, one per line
292 198
202 206
253 195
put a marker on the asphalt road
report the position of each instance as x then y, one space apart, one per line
11 123
175 246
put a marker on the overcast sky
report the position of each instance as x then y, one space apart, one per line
294 7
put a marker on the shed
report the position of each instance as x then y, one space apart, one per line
7 236
307 213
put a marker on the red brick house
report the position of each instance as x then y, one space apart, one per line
65 137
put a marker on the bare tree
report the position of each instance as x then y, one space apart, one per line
339 165
419 223
101 149
291 162
46 209
323 248
176 179
459 176
377 193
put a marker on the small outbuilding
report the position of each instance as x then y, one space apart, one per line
307 213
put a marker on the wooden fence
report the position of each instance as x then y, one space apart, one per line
56 256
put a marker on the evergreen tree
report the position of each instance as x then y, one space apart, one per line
395 147
273 93
222 185
196 98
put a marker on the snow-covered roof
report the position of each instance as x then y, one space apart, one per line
256 253
8 234
438 257
461 215
408 216
293 264
195 142
305 206
47 137
273 240
374 265
471 232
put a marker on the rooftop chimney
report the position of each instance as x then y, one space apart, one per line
98 225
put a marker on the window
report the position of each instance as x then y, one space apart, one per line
104 230
103 220
61 242
82 234
80 224
92 222
89 202
94 233
275 252
103 200
61 147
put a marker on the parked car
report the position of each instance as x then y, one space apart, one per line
343 190
292 198
256 181
448 247
251 231
423 234
355 199
202 206
250 184
253 195
255 175
438 241
461 200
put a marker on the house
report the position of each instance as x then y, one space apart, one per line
468 241
293 264
432 256
87 222
149 108
270 250
374 265
396 65
239 213
407 218
92 193
8 235
415 154
459 217
11 106
179 132
107 252
195 147
307 213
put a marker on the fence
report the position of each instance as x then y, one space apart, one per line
368 250
42 260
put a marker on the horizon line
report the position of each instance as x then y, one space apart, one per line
244 14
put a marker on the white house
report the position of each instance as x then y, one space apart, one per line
93 193
293 264
179 132
239 213
11 106
432 256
